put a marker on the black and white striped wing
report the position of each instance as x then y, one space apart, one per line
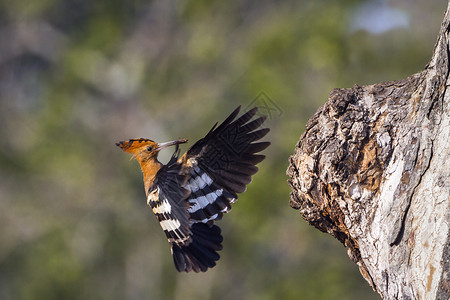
167 198
221 165
208 201
194 246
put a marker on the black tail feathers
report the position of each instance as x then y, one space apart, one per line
201 253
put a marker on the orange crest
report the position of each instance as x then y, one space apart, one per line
135 146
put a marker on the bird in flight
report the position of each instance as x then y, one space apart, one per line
191 192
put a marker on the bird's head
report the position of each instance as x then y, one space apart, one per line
145 149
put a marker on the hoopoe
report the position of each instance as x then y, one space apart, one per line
191 192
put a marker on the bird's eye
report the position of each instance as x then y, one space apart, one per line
150 148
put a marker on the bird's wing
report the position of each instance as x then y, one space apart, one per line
194 246
167 198
220 165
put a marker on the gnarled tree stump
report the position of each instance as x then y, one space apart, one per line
372 169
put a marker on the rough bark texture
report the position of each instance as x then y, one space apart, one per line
372 169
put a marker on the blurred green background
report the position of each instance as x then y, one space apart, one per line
77 76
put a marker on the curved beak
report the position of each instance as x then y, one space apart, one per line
171 143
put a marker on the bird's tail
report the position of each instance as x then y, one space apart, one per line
201 253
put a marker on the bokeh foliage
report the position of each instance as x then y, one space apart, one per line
78 76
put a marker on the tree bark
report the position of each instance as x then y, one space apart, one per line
372 169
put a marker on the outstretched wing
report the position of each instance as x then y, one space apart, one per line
194 246
220 165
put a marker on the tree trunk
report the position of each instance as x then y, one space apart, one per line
372 169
